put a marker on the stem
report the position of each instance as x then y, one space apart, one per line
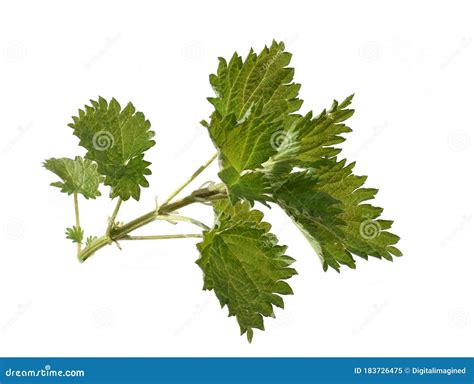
193 176
94 246
173 218
160 237
214 192
78 222
113 217
211 193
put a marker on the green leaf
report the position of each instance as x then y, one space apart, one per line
314 139
269 153
325 198
244 265
78 176
328 204
255 99
90 240
263 78
76 234
307 141
116 140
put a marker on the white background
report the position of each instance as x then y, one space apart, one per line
411 69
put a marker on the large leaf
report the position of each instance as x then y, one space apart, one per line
116 139
269 153
307 140
328 204
260 78
316 137
255 100
244 265
78 176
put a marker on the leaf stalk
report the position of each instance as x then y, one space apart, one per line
163 237
193 176
112 218
78 221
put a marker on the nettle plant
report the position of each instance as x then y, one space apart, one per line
268 153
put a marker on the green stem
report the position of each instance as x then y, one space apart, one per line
78 222
210 193
193 176
160 237
213 192
93 247
111 223
173 218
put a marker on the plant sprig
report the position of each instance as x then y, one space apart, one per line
268 153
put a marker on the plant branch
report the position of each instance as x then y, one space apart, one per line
78 221
111 223
161 237
193 176
211 193
208 194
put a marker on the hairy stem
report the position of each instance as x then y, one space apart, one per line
78 221
161 237
172 218
112 218
210 193
193 176
214 192
94 246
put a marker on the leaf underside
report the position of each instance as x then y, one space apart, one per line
77 176
244 265
271 154
116 139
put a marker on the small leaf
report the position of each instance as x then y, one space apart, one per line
90 239
244 265
76 234
78 176
116 139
